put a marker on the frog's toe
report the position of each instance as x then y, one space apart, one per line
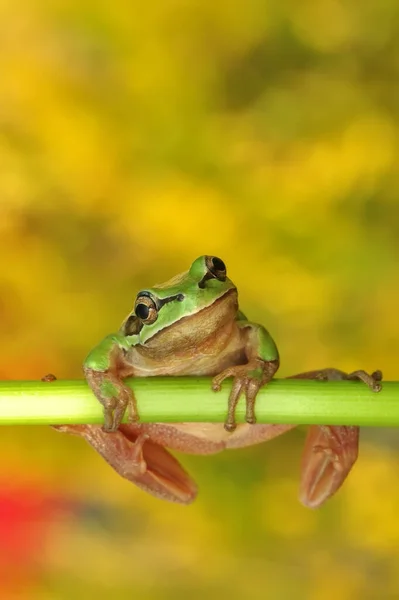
251 420
377 375
109 425
230 426
372 381
216 387
132 417
251 391
132 412
218 379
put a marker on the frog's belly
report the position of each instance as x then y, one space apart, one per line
243 435
208 438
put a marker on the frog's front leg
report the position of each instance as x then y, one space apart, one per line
102 369
330 451
263 362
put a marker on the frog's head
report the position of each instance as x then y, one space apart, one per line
194 303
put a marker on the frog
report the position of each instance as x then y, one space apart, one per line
140 452
192 325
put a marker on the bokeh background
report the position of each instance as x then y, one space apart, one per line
133 138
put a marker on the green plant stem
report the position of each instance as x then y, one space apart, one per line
173 399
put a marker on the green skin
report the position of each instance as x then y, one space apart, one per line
143 347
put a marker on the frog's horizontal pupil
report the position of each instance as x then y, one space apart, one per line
218 264
142 311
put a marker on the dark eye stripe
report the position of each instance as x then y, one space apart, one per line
163 301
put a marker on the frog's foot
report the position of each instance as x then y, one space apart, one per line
248 379
132 454
115 397
112 448
49 378
373 381
137 463
329 455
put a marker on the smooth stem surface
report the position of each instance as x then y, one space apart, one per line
173 399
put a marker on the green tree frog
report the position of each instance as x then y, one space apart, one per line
189 325
192 325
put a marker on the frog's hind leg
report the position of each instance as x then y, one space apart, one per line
330 451
328 457
139 460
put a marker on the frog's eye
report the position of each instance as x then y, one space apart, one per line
146 309
216 269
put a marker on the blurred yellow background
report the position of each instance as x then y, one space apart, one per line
133 138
